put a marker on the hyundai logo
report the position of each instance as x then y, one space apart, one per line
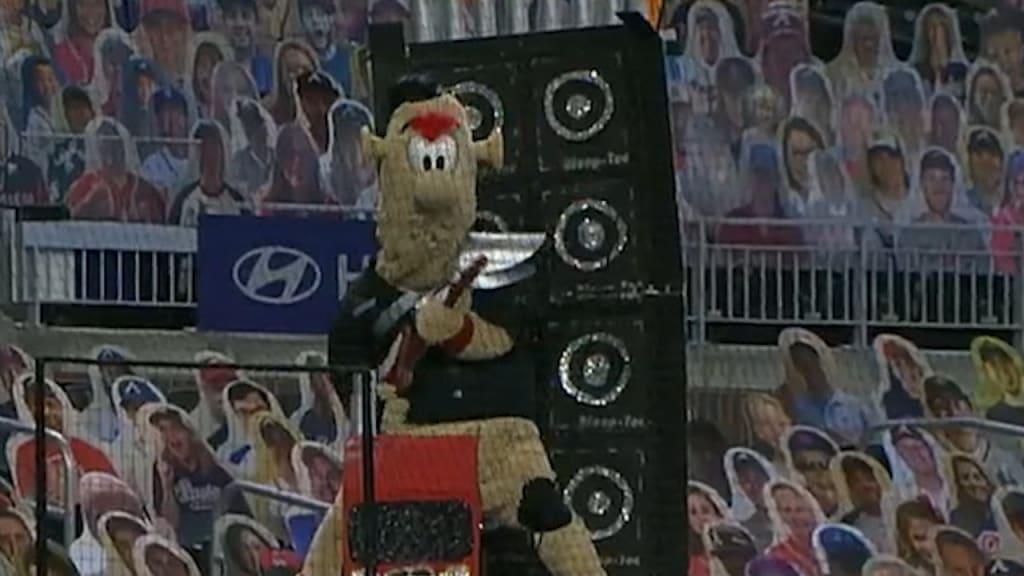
277 275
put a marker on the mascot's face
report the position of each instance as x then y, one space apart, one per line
428 163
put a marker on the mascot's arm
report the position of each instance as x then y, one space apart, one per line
462 332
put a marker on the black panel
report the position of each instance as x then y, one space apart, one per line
598 373
604 486
583 109
594 226
502 207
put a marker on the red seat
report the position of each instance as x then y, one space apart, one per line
427 474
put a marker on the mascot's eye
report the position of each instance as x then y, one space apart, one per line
440 155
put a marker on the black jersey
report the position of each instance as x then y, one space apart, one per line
444 388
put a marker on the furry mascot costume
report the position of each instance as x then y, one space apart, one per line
473 379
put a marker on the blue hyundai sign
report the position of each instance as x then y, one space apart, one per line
277 274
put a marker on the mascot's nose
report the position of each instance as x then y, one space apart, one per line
439 155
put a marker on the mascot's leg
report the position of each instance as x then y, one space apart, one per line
511 457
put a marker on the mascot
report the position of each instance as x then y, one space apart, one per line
453 361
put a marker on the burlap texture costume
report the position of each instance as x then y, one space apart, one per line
428 170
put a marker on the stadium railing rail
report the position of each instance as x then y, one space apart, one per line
858 275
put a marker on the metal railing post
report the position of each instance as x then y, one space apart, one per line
700 291
1017 277
365 383
40 456
860 313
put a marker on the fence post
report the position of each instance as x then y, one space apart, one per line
40 455
699 292
860 312
365 383
1017 277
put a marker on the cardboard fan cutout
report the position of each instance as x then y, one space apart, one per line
795 514
808 452
841 550
971 508
321 415
902 369
239 543
747 473
730 548
59 415
13 363
865 496
210 383
185 478
154 555
118 532
317 471
917 463
446 316
1008 508
101 494
957 552
243 401
99 419
1000 373
812 390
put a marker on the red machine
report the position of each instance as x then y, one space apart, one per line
428 512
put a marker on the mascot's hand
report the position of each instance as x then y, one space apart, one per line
437 323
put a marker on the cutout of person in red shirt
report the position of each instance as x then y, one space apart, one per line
795 514
111 188
59 415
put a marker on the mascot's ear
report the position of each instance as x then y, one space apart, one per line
491 150
373 145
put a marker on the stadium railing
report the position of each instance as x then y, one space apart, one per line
850 274
854 275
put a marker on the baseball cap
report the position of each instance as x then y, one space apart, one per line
901 83
136 390
937 159
316 81
727 539
746 461
168 96
938 387
885 142
1004 567
842 545
984 140
809 440
1013 504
